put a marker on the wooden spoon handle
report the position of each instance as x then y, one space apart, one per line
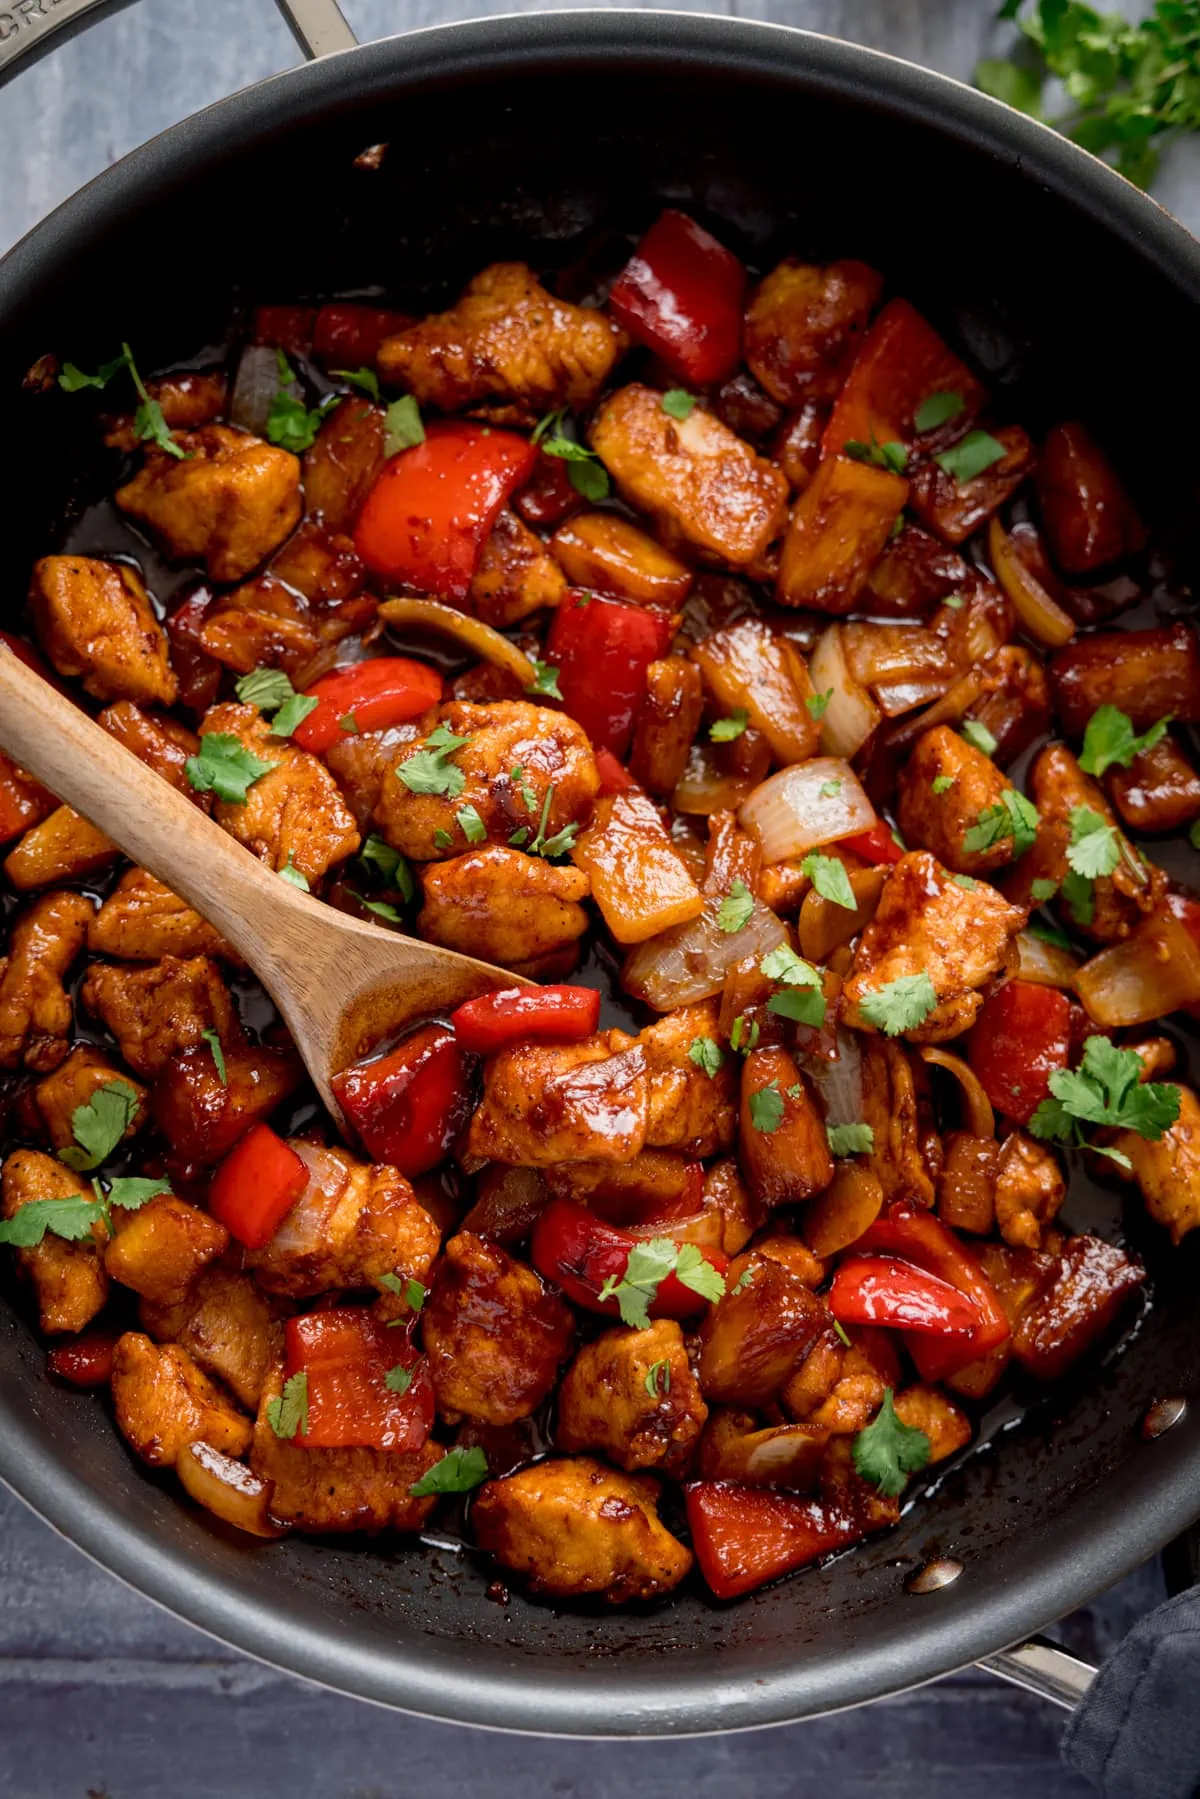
155 824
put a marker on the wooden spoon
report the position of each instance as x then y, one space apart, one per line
340 985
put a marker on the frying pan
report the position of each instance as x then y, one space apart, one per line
536 137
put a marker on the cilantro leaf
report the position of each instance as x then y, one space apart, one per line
978 736
588 475
694 1271
290 423
736 908
377 853
1012 816
471 825
367 379
398 1379
937 410
783 964
289 1413
402 427
73 380
218 1054
817 704
977 452
890 456
658 1379
70 1218
678 403
1079 897
380 908
887 1451
1110 737
828 875
148 422
270 690
968 883
636 1287
430 770
899 1005
1106 1089
806 1006
348 723
942 783
225 767
1014 85
549 847
805 1003
132 1192
1042 890
1048 933
744 1033
546 679
410 1291
706 1055
415 1294
458 1472
1093 850
766 1108
295 877
850 1139
724 730
99 1126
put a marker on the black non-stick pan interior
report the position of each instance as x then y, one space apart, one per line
553 139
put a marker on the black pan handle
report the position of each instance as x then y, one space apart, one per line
28 28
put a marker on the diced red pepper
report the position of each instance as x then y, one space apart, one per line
746 1536
386 690
910 1231
429 514
409 1105
285 327
1021 1035
614 776
901 363
256 1187
884 1290
86 1361
580 1252
876 845
23 801
682 293
487 1023
549 494
347 335
602 649
347 1354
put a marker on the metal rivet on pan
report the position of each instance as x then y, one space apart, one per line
1161 1416
940 1571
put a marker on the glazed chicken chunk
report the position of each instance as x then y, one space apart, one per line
75 1083
35 1010
506 340
688 1109
577 1102
945 784
163 1402
294 815
494 1333
142 921
631 1395
502 906
339 1489
156 1010
226 1325
61 847
516 576
230 500
95 621
68 1277
1168 1172
160 1249
803 325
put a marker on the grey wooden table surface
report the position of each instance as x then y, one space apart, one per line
102 1695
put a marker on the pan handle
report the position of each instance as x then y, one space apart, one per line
28 28
1042 1667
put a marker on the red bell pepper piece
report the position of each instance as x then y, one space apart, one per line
86 1361
347 335
347 1355
884 1290
901 363
1021 1035
256 1186
910 1231
409 1105
487 1023
387 690
876 845
603 649
614 776
746 1536
580 1252
549 495
429 514
682 294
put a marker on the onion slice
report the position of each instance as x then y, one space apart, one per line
824 926
480 639
851 715
690 962
1045 964
977 1107
254 388
804 806
1155 970
849 1205
227 1489
1042 617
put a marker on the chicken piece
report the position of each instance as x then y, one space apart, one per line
549 752
231 500
966 1189
1014 700
693 474
502 906
545 1103
516 575
507 340
325 568
1148 675
914 573
927 924
164 1402
342 462
35 1009
354 1223
1030 1188
1076 1301
294 815
187 400
803 325
840 1388
161 1248
939 817
75 1083
142 921
925 1409
95 621
226 1326
157 1010
163 744
494 1333
339 1489
783 1149
68 1279
24 802
890 1108
748 667
604 553
574 1528
63 847
688 1109
261 624
667 721
202 1111
631 1394
1089 517
726 1193
1158 792
1110 906
638 878
1168 1172
753 1337
839 528
955 508
360 763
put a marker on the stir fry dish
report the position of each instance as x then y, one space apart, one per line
713 653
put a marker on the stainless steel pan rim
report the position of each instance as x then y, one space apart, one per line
1113 1528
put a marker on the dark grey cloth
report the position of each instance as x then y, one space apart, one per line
1137 1734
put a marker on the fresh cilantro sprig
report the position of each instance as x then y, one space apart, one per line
649 1264
977 451
817 704
766 1109
72 1218
290 423
887 1451
99 1126
392 868
978 736
678 403
149 424
366 379
270 690
899 1005
804 1000
587 474
545 679
225 767
549 847
402 427
1107 1090
1012 816
724 730
458 1472
706 1054
1093 852
1110 738
890 456
850 1139
736 909
430 770
289 1412
828 875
